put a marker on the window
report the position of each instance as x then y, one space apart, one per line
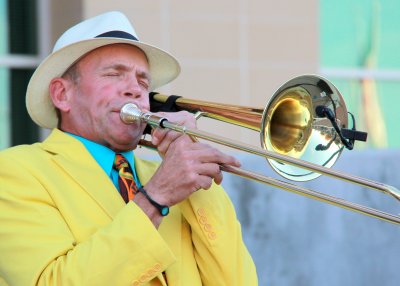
4 99
18 59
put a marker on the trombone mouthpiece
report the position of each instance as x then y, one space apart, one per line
130 113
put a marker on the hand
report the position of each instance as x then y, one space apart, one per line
187 166
162 137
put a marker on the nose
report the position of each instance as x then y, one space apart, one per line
132 88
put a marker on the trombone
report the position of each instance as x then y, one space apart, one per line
303 130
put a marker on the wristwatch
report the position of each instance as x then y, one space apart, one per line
164 210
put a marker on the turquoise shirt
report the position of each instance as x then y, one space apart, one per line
105 158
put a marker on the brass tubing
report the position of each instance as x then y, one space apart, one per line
130 114
248 117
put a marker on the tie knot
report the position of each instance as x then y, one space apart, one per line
120 162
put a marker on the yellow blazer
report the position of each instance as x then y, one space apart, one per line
62 222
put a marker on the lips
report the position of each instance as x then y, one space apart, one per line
119 106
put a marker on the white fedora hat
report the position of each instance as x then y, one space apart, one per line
105 29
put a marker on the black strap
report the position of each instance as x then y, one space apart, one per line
117 34
168 106
155 106
163 209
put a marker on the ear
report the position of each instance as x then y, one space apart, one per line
59 90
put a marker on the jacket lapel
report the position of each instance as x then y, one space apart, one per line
72 156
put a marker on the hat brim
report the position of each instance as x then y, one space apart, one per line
163 68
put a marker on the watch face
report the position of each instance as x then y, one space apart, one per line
164 211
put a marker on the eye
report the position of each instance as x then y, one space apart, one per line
111 74
144 84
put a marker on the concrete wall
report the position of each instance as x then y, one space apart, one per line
298 241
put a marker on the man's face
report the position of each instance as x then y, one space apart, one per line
109 77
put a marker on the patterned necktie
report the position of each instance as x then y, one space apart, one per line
126 182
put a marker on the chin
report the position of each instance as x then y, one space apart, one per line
125 137
127 141
121 146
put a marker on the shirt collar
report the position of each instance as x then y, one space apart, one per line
104 156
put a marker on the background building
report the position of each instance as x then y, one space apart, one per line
240 52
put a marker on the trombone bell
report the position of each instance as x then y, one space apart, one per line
290 125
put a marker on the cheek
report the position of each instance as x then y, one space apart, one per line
105 90
145 103
95 99
88 109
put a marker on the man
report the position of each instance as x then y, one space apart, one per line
63 218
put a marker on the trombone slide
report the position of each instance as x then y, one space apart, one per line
130 113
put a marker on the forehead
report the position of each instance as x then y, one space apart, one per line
125 53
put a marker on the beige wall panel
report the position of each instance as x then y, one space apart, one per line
283 10
130 8
212 84
204 39
290 44
220 8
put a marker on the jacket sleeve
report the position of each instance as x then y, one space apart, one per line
220 252
38 248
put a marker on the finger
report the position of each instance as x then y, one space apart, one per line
168 139
211 170
204 182
181 141
180 118
157 135
212 155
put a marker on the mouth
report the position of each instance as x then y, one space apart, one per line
119 108
125 117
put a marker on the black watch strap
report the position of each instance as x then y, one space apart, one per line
164 210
